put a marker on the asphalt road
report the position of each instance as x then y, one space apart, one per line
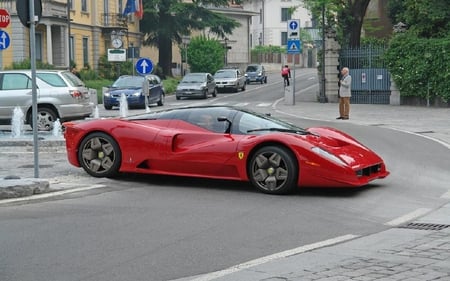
164 228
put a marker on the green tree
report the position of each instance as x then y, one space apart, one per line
424 18
344 16
198 62
166 21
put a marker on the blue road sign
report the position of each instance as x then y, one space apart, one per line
293 25
144 66
294 47
4 40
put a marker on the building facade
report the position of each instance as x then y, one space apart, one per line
71 31
269 27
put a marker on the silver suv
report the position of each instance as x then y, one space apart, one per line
60 95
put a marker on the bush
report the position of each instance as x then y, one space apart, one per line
420 66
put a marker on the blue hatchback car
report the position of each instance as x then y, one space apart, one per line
255 73
132 88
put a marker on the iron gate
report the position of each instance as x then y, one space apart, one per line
371 81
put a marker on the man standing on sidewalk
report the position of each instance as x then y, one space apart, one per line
345 92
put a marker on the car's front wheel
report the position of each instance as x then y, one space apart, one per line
99 155
273 170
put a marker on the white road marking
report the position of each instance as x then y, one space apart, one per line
446 195
265 104
417 213
259 261
51 194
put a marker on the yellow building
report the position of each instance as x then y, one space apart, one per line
79 31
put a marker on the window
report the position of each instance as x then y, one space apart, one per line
85 51
38 46
15 81
284 38
52 79
84 5
71 4
285 14
71 48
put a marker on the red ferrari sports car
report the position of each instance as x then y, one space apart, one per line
222 142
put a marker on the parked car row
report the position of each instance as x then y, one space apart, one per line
202 84
62 95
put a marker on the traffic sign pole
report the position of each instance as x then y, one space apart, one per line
293 47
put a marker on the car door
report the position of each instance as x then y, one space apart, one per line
241 78
154 91
15 90
211 84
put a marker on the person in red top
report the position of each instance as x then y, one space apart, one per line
286 74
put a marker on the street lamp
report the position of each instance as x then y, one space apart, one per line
185 40
226 50
322 97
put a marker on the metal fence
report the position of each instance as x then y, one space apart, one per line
371 81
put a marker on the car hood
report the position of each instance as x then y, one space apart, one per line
187 86
124 90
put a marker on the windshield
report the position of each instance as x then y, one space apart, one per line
257 123
252 68
225 74
129 82
194 78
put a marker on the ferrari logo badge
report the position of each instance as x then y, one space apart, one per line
241 155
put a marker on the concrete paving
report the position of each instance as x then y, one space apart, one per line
418 250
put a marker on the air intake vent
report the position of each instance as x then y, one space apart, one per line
424 226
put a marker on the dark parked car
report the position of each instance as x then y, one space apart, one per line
196 85
132 88
255 73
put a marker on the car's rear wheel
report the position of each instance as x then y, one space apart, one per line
161 100
45 119
273 170
100 155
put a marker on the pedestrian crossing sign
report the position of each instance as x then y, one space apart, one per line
294 46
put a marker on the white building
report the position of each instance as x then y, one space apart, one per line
269 27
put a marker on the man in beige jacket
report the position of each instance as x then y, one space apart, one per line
345 92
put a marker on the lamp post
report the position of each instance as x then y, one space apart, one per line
322 97
185 40
226 50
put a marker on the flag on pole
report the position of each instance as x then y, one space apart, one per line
134 6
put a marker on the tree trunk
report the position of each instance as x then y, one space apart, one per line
165 54
358 11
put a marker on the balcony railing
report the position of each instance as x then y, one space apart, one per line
113 20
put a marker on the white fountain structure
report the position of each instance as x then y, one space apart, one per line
96 112
57 130
123 105
17 123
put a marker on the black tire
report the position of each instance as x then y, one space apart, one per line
178 98
107 107
265 80
45 119
205 94
161 99
99 155
273 170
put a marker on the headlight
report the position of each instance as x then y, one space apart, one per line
137 94
107 94
327 155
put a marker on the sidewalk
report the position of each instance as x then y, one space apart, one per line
419 250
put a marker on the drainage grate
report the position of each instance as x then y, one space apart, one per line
424 226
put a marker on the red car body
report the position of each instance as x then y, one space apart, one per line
171 143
